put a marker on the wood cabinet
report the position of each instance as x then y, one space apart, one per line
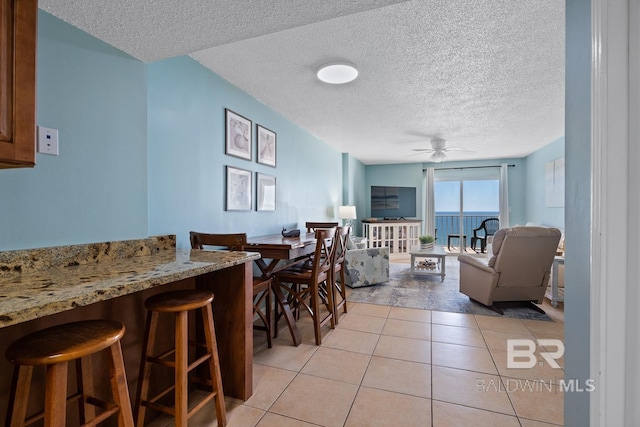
398 236
18 29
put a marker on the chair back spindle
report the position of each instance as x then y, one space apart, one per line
261 285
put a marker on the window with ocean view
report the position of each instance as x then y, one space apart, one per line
478 200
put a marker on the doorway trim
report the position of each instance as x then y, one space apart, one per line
614 207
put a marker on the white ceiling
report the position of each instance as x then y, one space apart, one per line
486 75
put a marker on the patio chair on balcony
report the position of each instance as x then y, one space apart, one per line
461 238
487 228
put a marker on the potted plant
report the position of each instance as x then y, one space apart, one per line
426 241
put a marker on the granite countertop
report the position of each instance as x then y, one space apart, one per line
29 295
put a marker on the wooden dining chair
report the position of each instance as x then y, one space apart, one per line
261 285
307 288
339 288
313 226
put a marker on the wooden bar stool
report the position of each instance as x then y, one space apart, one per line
180 303
56 346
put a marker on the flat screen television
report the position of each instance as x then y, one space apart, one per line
393 202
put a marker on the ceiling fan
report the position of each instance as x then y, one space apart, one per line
438 149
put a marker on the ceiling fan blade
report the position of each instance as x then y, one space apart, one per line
418 153
458 149
424 150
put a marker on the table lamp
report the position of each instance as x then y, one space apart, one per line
348 213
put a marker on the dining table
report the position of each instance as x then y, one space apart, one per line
277 253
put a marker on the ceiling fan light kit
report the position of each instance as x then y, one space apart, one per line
439 150
438 156
337 73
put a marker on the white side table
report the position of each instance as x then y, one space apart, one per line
555 291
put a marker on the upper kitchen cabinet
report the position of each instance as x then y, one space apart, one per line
18 28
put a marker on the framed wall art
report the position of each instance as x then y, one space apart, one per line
266 192
238 195
554 183
266 146
237 135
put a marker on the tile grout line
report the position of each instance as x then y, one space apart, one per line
431 360
365 371
387 317
500 377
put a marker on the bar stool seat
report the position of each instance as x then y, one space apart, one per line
53 348
180 303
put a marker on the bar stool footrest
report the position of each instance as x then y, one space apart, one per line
170 410
172 364
151 402
102 416
109 409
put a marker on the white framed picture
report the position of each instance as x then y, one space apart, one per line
237 135
266 189
238 194
267 145
554 183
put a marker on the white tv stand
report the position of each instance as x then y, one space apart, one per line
397 235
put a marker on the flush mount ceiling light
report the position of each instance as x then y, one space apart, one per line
337 73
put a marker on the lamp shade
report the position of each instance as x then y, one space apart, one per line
347 212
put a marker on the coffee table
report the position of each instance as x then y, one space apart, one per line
420 259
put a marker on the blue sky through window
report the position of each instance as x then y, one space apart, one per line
479 196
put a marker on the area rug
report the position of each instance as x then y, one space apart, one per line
429 293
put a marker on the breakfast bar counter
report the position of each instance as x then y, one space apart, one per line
30 295
46 286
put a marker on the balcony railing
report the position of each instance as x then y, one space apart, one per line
447 224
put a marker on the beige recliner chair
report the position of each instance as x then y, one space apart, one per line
518 270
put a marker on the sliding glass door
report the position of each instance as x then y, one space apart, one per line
460 206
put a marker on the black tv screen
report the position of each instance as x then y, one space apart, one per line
393 202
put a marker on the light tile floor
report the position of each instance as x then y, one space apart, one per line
391 366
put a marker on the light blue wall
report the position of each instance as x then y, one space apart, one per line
578 207
96 189
535 163
410 175
353 188
187 160
142 153
400 175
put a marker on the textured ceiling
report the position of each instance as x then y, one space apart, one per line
487 76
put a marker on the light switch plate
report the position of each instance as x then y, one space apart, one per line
47 141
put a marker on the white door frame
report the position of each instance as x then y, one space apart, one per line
615 199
